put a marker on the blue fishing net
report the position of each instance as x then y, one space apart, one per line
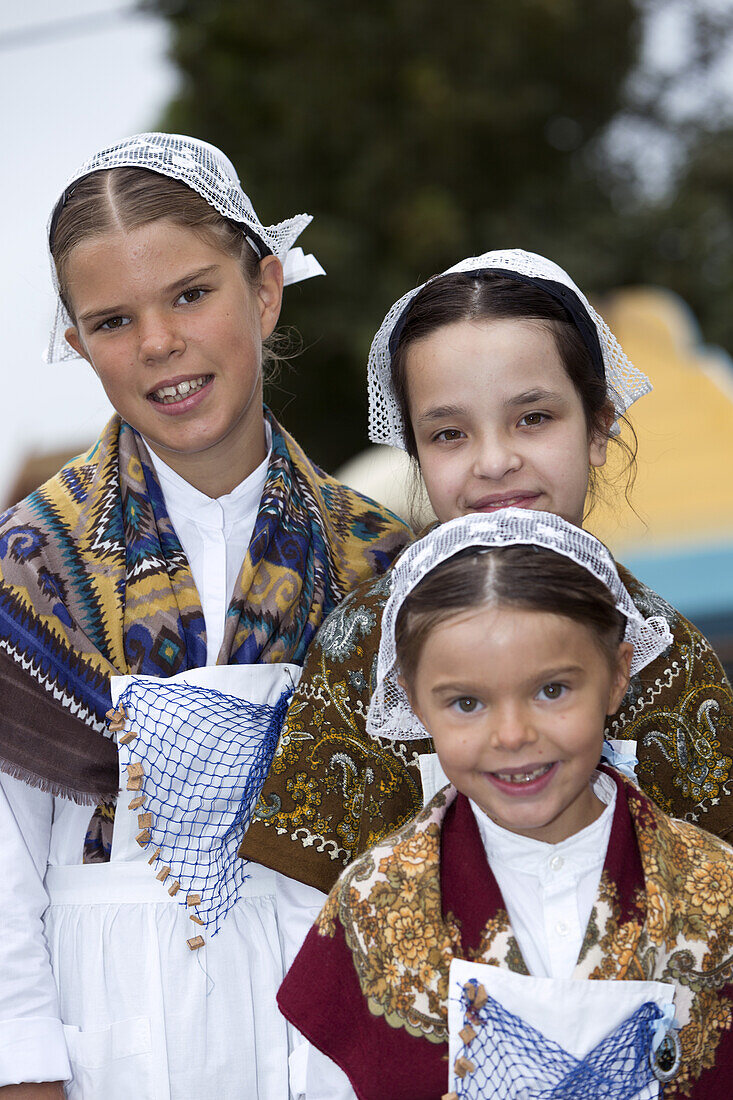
507 1059
195 769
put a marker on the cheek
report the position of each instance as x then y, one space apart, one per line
443 475
454 749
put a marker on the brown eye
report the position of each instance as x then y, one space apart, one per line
193 294
113 323
552 691
533 420
466 704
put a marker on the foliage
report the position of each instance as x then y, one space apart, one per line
417 132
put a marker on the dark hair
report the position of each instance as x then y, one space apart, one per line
529 577
487 296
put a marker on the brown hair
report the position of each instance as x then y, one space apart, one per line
126 198
490 297
529 577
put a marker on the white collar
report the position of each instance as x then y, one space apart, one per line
580 852
185 499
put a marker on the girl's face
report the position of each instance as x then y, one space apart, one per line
516 703
498 422
174 331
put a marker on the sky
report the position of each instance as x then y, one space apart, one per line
73 77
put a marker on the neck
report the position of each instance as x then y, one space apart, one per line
217 470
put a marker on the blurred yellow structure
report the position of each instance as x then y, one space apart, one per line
684 489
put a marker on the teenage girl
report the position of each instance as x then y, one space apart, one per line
194 533
509 638
505 386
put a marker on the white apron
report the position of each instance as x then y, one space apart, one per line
144 1015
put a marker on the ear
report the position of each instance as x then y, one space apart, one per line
410 695
598 447
621 676
74 340
269 294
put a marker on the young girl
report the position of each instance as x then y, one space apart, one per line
503 383
137 958
508 638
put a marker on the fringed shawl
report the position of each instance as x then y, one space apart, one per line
370 984
94 582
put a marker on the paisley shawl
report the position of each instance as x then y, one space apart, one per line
370 984
94 582
333 791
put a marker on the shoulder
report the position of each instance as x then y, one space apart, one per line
677 852
646 600
407 853
354 627
689 651
60 497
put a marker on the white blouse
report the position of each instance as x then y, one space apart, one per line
550 889
214 534
105 909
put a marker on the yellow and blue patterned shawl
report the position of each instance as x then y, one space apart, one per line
94 582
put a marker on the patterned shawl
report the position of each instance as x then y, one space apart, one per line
94 583
333 791
370 984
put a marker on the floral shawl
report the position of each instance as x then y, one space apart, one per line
333 791
370 984
94 582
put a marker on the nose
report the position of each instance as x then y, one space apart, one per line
511 728
159 338
496 455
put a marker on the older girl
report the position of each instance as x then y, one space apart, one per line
195 532
456 954
505 385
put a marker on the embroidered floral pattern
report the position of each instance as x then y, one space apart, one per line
677 928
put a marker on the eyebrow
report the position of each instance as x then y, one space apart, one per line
179 284
441 412
546 677
530 397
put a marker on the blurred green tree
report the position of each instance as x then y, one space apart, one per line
416 132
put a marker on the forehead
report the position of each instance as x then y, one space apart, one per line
503 646
502 357
152 255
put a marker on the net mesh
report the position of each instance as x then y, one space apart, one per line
508 1059
206 170
625 383
390 714
196 761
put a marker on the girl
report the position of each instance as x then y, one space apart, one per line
508 638
503 383
194 533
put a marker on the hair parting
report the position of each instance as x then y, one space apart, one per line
532 578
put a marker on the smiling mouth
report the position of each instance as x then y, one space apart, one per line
517 500
519 778
170 395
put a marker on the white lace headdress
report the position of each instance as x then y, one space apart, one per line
205 169
625 384
390 714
